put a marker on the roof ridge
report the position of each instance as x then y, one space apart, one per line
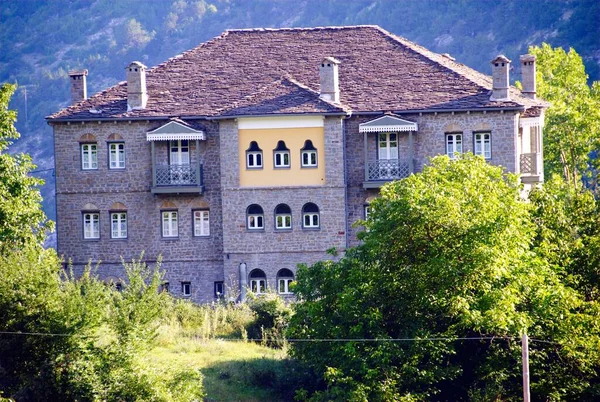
331 27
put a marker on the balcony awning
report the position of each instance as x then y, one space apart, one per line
174 130
387 124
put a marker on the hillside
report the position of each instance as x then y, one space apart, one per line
41 40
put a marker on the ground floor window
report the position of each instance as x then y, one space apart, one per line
186 289
258 281
284 279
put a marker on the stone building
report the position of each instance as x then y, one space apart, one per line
258 150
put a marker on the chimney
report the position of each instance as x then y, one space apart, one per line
500 67
329 80
136 86
78 85
528 75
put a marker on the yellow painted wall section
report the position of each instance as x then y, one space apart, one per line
294 138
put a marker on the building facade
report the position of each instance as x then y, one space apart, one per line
258 150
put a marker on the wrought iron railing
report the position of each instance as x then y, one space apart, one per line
529 163
389 169
178 175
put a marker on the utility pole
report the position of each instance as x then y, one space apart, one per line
525 355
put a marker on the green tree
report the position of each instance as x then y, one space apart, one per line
572 122
21 216
447 254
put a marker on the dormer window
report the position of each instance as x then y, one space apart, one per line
281 156
309 155
254 156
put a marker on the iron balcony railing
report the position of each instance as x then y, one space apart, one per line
178 175
389 169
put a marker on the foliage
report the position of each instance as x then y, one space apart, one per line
572 122
272 317
21 217
448 254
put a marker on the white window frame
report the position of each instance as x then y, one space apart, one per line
387 146
482 145
116 155
454 145
281 159
258 285
283 285
201 222
311 156
254 158
89 156
186 289
91 225
314 218
169 224
118 225
255 221
283 221
179 152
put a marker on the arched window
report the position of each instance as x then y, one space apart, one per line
283 217
310 216
258 281
284 278
281 155
255 217
254 156
309 155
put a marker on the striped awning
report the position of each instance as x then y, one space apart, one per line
387 123
174 130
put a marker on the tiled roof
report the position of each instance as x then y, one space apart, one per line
275 71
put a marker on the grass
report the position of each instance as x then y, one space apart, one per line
232 370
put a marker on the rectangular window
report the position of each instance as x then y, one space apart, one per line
118 225
186 289
89 156
282 159
164 287
311 220
258 286
284 285
91 225
201 223
453 145
169 224
116 152
309 158
283 221
254 160
219 290
483 145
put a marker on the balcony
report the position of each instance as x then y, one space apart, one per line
530 166
178 179
383 170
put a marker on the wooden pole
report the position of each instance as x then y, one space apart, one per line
525 354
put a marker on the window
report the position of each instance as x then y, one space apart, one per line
281 155
482 145
388 146
186 289
179 152
116 155
219 290
118 225
169 224
284 278
310 216
201 223
254 156
164 287
453 144
367 211
258 281
309 155
119 286
89 156
91 225
255 216
283 217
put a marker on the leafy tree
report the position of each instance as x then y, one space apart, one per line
447 254
572 122
21 216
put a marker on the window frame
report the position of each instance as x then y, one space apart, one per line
92 157
117 153
110 216
257 216
286 218
453 155
83 221
196 226
258 280
282 151
219 285
254 150
184 285
475 141
162 224
287 280
311 214
309 149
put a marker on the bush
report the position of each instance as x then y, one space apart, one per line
272 319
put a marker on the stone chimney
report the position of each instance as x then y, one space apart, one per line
136 86
528 75
329 80
78 85
500 67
